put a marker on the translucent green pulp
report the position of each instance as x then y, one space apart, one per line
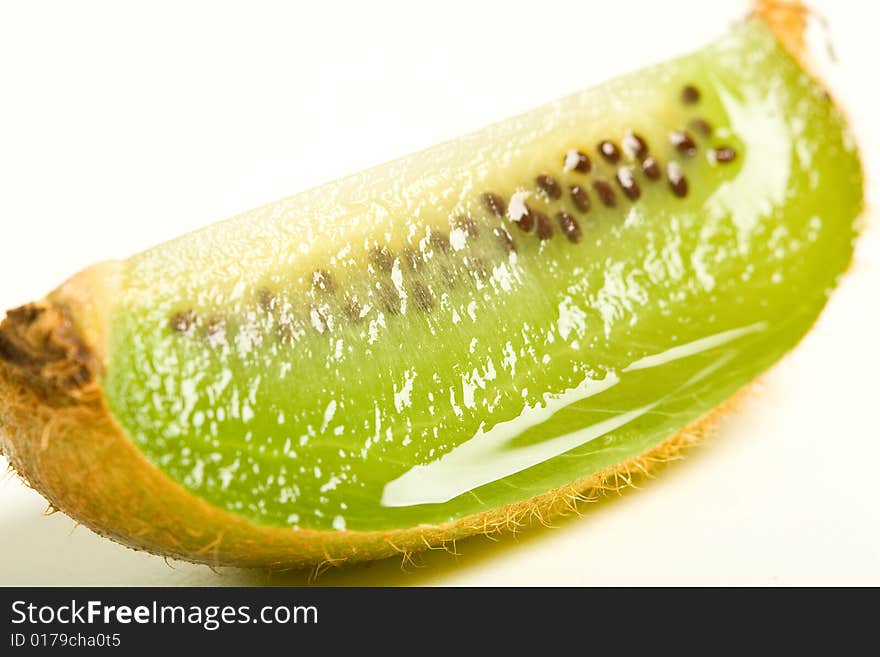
544 366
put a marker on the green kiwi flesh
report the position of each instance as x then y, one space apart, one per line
498 316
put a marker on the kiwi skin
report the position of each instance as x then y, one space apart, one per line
59 432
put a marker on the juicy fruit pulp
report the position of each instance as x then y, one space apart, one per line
387 351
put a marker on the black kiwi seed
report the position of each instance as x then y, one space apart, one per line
413 259
389 298
468 224
577 161
183 321
634 146
382 258
549 186
495 203
569 227
677 182
609 151
352 309
580 198
267 299
606 193
651 169
440 241
505 239
285 330
701 126
422 297
322 281
683 143
628 184
724 154
545 228
526 221
690 94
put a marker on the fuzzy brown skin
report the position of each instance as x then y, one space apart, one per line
60 437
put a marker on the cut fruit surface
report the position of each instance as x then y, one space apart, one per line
371 355
499 316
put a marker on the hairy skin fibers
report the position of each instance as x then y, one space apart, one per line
452 343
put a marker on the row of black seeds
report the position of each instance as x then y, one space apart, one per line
634 147
536 219
690 95
384 294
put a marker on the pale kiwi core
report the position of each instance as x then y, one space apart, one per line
396 349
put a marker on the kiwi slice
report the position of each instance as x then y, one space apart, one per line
454 341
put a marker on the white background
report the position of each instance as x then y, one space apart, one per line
122 126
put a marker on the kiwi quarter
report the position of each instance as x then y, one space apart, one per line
453 341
